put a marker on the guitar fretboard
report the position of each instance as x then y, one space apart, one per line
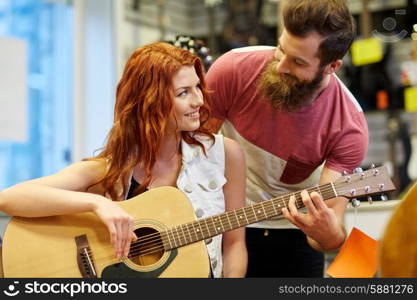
208 227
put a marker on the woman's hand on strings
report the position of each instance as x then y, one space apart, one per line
120 226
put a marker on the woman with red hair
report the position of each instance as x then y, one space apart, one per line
157 139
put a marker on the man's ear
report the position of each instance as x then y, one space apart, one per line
333 67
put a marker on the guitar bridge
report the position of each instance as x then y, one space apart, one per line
85 257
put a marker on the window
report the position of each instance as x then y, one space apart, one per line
47 28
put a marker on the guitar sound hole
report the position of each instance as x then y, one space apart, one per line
148 248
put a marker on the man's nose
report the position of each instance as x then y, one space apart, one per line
282 66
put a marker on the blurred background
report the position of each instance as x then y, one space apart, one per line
60 61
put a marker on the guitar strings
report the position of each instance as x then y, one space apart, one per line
223 218
156 247
153 243
268 208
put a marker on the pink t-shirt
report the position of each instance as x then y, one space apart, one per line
284 151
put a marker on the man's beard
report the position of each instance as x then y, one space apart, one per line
286 92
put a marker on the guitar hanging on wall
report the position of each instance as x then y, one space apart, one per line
170 240
194 46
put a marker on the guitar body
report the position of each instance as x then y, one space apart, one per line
398 246
46 247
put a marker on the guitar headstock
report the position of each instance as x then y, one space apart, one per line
364 183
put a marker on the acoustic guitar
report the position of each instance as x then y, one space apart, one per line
398 245
170 239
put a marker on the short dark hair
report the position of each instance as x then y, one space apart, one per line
329 18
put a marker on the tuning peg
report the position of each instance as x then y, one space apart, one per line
357 170
204 50
384 197
369 198
355 202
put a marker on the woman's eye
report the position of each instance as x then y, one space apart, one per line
183 93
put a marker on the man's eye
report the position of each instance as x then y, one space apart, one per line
298 62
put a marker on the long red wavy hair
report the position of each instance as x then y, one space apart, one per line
144 104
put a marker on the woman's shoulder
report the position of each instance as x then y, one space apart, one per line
219 141
88 170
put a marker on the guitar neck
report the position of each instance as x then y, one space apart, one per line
208 227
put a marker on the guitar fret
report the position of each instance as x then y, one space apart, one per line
263 208
208 228
273 206
201 230
169 240
183 234
175 233
178 235
259 210
187 229
196 230
237 218
318 188
254 213
246 217
193 224
227 215
242 212
221 224
270 210
334 190
286 201
212 229
216 227
189 232
174 239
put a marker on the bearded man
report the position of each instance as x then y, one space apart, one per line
299 126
